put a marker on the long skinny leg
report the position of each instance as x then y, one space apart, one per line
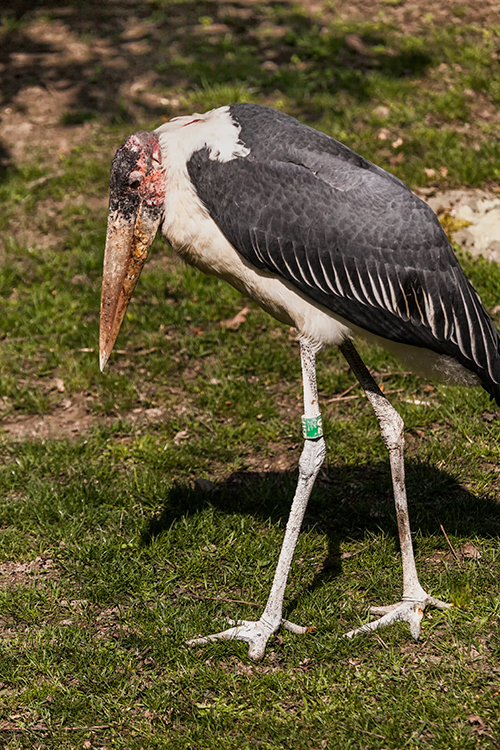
257 634
415 599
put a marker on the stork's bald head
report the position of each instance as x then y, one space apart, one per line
136 201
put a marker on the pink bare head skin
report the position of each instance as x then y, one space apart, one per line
136 204
136 173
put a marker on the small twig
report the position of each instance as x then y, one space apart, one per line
209 427
450 544
384 644
43 180
134 352
343 394
144 652
391 393
343 398
95 728
360 395
347 555
392 374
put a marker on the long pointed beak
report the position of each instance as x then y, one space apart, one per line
128 241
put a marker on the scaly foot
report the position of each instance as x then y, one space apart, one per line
409 610
255 633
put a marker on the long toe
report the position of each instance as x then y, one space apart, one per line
255 633
410 611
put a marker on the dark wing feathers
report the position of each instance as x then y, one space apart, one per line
349 235
287 139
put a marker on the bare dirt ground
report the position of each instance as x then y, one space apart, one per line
67 64
14 573
480 210
72 418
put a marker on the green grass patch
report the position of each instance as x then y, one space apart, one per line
113 556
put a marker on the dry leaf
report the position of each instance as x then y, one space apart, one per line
179 436
468 550
234 323
60 385
477 723
489 416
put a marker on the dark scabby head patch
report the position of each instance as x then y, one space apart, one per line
136 175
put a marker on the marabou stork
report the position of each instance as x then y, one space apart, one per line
323 240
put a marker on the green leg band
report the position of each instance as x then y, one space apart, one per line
312 427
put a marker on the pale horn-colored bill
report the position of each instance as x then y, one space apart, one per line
127 247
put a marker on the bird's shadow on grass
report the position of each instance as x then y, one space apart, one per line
347 503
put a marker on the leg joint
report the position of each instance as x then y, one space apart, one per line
312 457
391 422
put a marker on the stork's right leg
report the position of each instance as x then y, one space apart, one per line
415 599
257 634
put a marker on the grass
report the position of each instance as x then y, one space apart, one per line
165 514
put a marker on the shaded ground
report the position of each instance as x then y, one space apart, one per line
64 63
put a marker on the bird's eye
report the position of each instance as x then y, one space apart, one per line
135 180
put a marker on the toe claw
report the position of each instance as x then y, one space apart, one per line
255 633
409 610
415 620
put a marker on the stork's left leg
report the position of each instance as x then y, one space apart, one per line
415 599
257 634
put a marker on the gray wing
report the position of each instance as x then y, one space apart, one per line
347 234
